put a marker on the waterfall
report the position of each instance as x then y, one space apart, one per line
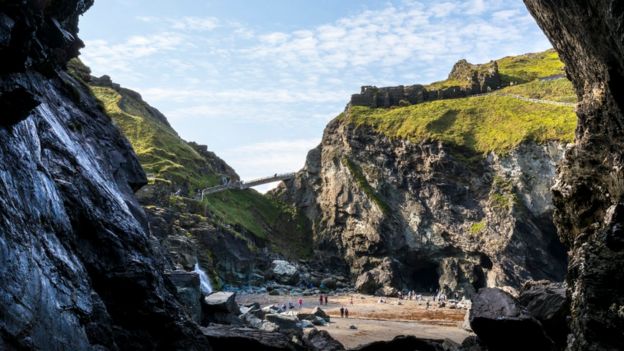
205 286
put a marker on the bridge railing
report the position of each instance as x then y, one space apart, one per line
246 185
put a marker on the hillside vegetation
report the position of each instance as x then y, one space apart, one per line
498 121
178 170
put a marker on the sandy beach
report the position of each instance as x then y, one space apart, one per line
377 321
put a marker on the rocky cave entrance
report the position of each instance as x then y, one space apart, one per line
426 277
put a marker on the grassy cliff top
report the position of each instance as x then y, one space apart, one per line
481 124
528 67
498 121
163 154
516 69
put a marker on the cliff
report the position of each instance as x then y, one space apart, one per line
79 268
588 192
465 80
234 235
448 194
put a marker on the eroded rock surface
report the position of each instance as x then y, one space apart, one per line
588 195
401 215
79 269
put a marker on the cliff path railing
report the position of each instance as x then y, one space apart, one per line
246 185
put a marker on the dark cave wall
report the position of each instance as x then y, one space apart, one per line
78 267
589 36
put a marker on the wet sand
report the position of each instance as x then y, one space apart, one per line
377 321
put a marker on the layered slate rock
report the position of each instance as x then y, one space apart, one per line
590 208
79 268
502 323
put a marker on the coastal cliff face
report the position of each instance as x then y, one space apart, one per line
588 192
398 214
79 269
450 194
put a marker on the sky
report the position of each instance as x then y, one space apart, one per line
258 80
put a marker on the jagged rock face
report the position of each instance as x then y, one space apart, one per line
421 216
79 269
588 195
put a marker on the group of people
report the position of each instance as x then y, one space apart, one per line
344 312
411 295
323 298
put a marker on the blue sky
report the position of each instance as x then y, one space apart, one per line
258 80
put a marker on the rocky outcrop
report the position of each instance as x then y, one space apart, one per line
284 272
221 307
188 292
502 323
80 270
320 340
546 301
225 337
464 80
409 343
396 214
588 193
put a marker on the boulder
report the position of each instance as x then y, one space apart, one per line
284 322
306 324
319 321
269 326
224 337
318 312
547 302
188 292
502 323
221 307
320 340
409 343
285 272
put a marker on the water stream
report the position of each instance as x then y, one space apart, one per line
206 287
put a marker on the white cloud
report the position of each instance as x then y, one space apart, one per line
275 96
204 71
392 36
195 23
119 57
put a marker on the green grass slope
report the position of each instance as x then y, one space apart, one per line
171 161
498 121
528 67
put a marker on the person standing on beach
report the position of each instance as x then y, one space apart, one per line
342 310
346 313
300 303
325 300
321 300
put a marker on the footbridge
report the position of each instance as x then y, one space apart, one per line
228 185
